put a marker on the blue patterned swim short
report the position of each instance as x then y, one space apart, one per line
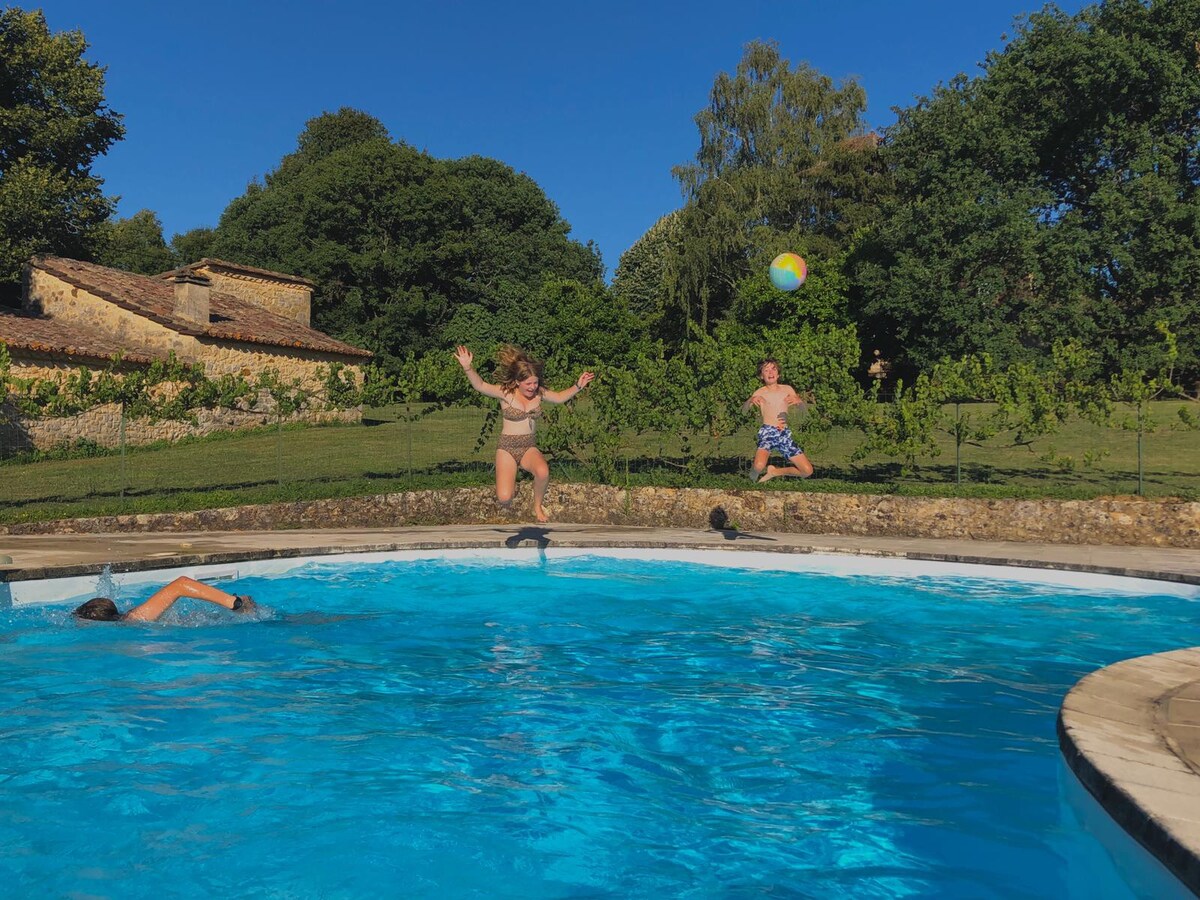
778 439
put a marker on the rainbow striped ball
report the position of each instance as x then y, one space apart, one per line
788 271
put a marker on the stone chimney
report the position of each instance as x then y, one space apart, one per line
193 294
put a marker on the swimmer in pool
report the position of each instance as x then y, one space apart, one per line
102 609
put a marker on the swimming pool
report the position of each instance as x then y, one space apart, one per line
569 724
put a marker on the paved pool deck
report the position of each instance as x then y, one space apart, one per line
1130 732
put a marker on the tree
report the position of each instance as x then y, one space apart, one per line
192 246
398 243
640 280
1056 195
53 124
135 244
783 152
327 134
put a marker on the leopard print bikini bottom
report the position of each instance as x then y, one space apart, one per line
516 445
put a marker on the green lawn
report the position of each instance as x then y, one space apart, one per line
392 452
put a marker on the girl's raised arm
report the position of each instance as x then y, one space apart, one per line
563 396
465 359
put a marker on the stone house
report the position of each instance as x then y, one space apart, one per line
232 319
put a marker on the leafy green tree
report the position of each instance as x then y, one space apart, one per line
54 122
326 134
1133 389
783 152
135 245
399 243
1055 196
823 299
640 279
192 246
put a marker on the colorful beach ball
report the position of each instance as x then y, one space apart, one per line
788 271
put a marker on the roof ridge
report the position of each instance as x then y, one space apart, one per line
239 267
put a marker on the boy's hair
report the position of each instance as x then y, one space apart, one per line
99 609
515 366
769 361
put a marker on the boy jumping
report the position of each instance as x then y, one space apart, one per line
773 400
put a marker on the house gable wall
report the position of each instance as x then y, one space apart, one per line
281 297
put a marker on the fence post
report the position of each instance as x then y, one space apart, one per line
279 448
408 423
121 440
957 442
1140 488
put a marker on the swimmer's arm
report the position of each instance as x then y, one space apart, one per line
164 598
563 396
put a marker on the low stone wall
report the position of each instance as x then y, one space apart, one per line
1122 522
102 425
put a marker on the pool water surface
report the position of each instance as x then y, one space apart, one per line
578 725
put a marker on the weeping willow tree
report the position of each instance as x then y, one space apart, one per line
784 155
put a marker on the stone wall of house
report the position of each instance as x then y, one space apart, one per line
282 297
58 299
102 426
23 367
1092 522
51 296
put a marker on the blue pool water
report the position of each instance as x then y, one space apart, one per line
566 727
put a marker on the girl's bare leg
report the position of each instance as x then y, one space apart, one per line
535 464
506 479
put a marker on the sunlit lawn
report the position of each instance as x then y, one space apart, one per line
396 451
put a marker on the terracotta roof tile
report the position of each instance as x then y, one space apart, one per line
231 318
19 331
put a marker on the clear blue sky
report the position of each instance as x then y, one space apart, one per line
593 100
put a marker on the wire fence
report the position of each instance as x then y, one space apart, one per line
410 446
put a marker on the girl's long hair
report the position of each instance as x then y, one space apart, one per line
515 365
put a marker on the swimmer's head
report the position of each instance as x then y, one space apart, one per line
99 609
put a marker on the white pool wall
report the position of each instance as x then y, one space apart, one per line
78 588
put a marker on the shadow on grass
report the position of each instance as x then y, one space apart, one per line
137 493
448 467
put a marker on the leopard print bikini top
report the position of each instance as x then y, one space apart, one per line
513 414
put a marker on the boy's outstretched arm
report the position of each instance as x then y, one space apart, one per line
797 399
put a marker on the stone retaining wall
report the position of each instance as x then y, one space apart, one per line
102 426
1124 522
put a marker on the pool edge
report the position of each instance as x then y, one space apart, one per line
1119 735
1069 558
